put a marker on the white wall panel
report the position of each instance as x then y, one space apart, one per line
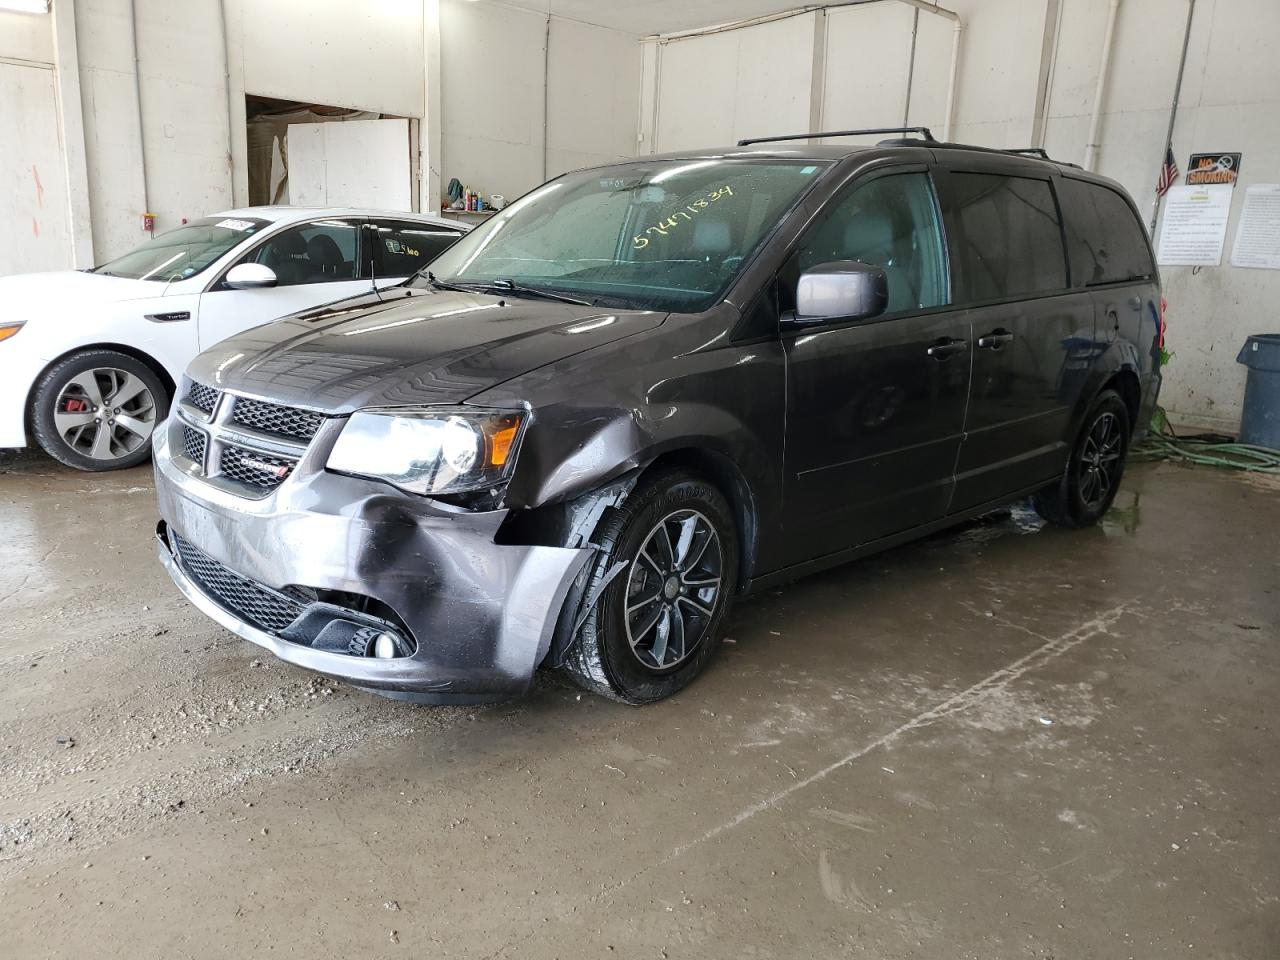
112 149
996 96
33 197
491 66
494 99
184 105
932 73
698 94
357 163
719 88
593 83
363 55
774 78
865 83
25 36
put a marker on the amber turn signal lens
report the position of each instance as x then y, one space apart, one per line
8 330
500 441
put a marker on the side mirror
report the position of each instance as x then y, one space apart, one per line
249 276
841 290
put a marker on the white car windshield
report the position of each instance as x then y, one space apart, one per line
183 252
658 235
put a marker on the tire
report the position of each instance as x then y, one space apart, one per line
614 654
1094 470
76 423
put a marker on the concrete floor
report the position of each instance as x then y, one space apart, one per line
1004 742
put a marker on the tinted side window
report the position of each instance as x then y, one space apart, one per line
890 222
1106 241
326 251
1012 244
402 247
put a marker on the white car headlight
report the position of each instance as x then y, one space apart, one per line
430 450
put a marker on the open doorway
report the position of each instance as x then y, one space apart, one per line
311 154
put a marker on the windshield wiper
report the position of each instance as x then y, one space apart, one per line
507 285
504 286
439 284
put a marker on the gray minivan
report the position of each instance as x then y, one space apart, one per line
644 389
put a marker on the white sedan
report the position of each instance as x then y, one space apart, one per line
90 358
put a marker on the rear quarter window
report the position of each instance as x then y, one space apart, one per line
1105 239
403 247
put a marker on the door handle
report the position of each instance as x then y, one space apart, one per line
995 339
1114 318
945 347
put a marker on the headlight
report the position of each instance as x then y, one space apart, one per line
433 450
7 330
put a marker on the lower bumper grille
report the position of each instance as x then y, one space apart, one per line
253 603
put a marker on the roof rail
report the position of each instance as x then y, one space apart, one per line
924 133
1042 154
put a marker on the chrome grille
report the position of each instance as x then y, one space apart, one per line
253 467
206 398
246 446
277 419
193 445
246 599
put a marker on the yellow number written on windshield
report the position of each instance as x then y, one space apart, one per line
666 225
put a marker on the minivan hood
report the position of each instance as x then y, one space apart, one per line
407 347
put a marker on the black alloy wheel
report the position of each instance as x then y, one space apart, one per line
672 589
1100 460
654 624
1088 486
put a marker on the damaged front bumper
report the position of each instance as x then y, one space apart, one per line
302 570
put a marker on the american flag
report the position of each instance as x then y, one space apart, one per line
1168 173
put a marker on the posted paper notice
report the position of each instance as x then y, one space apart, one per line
1258 232
1195 225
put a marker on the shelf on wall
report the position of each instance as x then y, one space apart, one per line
468 214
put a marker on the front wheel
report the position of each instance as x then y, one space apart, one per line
96 410
1094 469
654 624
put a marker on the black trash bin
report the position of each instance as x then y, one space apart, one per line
1260 422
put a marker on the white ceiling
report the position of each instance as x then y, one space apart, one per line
644 17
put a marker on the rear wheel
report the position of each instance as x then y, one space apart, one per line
654 625
96 410
1093 472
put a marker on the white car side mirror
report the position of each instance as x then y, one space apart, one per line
249 276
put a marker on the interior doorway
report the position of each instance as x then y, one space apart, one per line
315 155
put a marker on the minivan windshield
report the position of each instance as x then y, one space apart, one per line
183 252
657 235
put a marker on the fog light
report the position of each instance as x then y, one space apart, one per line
372 642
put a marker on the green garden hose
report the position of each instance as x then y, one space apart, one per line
1211 450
